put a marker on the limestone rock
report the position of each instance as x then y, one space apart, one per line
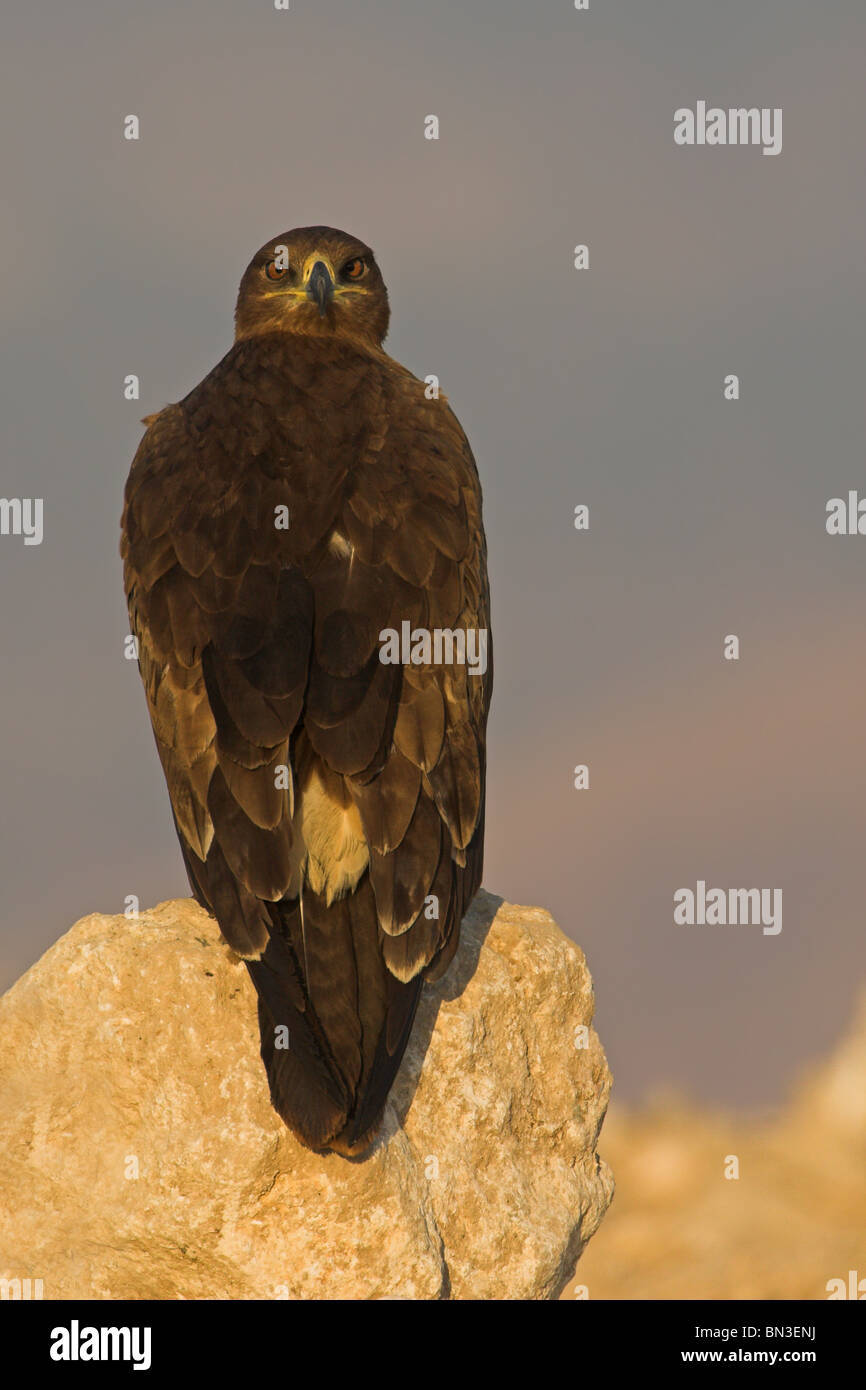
141 1157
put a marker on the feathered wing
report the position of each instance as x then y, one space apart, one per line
329 806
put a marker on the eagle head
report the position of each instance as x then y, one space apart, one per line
315 281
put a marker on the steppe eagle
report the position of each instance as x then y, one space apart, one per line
307 501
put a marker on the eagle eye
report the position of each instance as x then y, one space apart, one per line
275 272
355 269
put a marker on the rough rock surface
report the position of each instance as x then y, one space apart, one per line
141 1157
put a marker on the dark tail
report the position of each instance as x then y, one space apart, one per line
334 1021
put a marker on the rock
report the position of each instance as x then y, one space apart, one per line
789 1225
142 1159
832 1093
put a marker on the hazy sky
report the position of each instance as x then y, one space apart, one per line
602 386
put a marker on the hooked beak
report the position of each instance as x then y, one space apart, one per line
320 287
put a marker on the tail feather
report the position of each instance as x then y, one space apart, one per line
307 1090
347 1019
361 1126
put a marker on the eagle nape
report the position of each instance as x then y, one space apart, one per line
304 499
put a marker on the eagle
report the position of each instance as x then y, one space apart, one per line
305 569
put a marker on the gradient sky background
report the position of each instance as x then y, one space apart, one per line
603 387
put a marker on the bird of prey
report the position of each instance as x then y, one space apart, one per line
306 504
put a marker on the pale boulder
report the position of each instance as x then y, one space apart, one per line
141 1157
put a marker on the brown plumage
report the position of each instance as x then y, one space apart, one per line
302 499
